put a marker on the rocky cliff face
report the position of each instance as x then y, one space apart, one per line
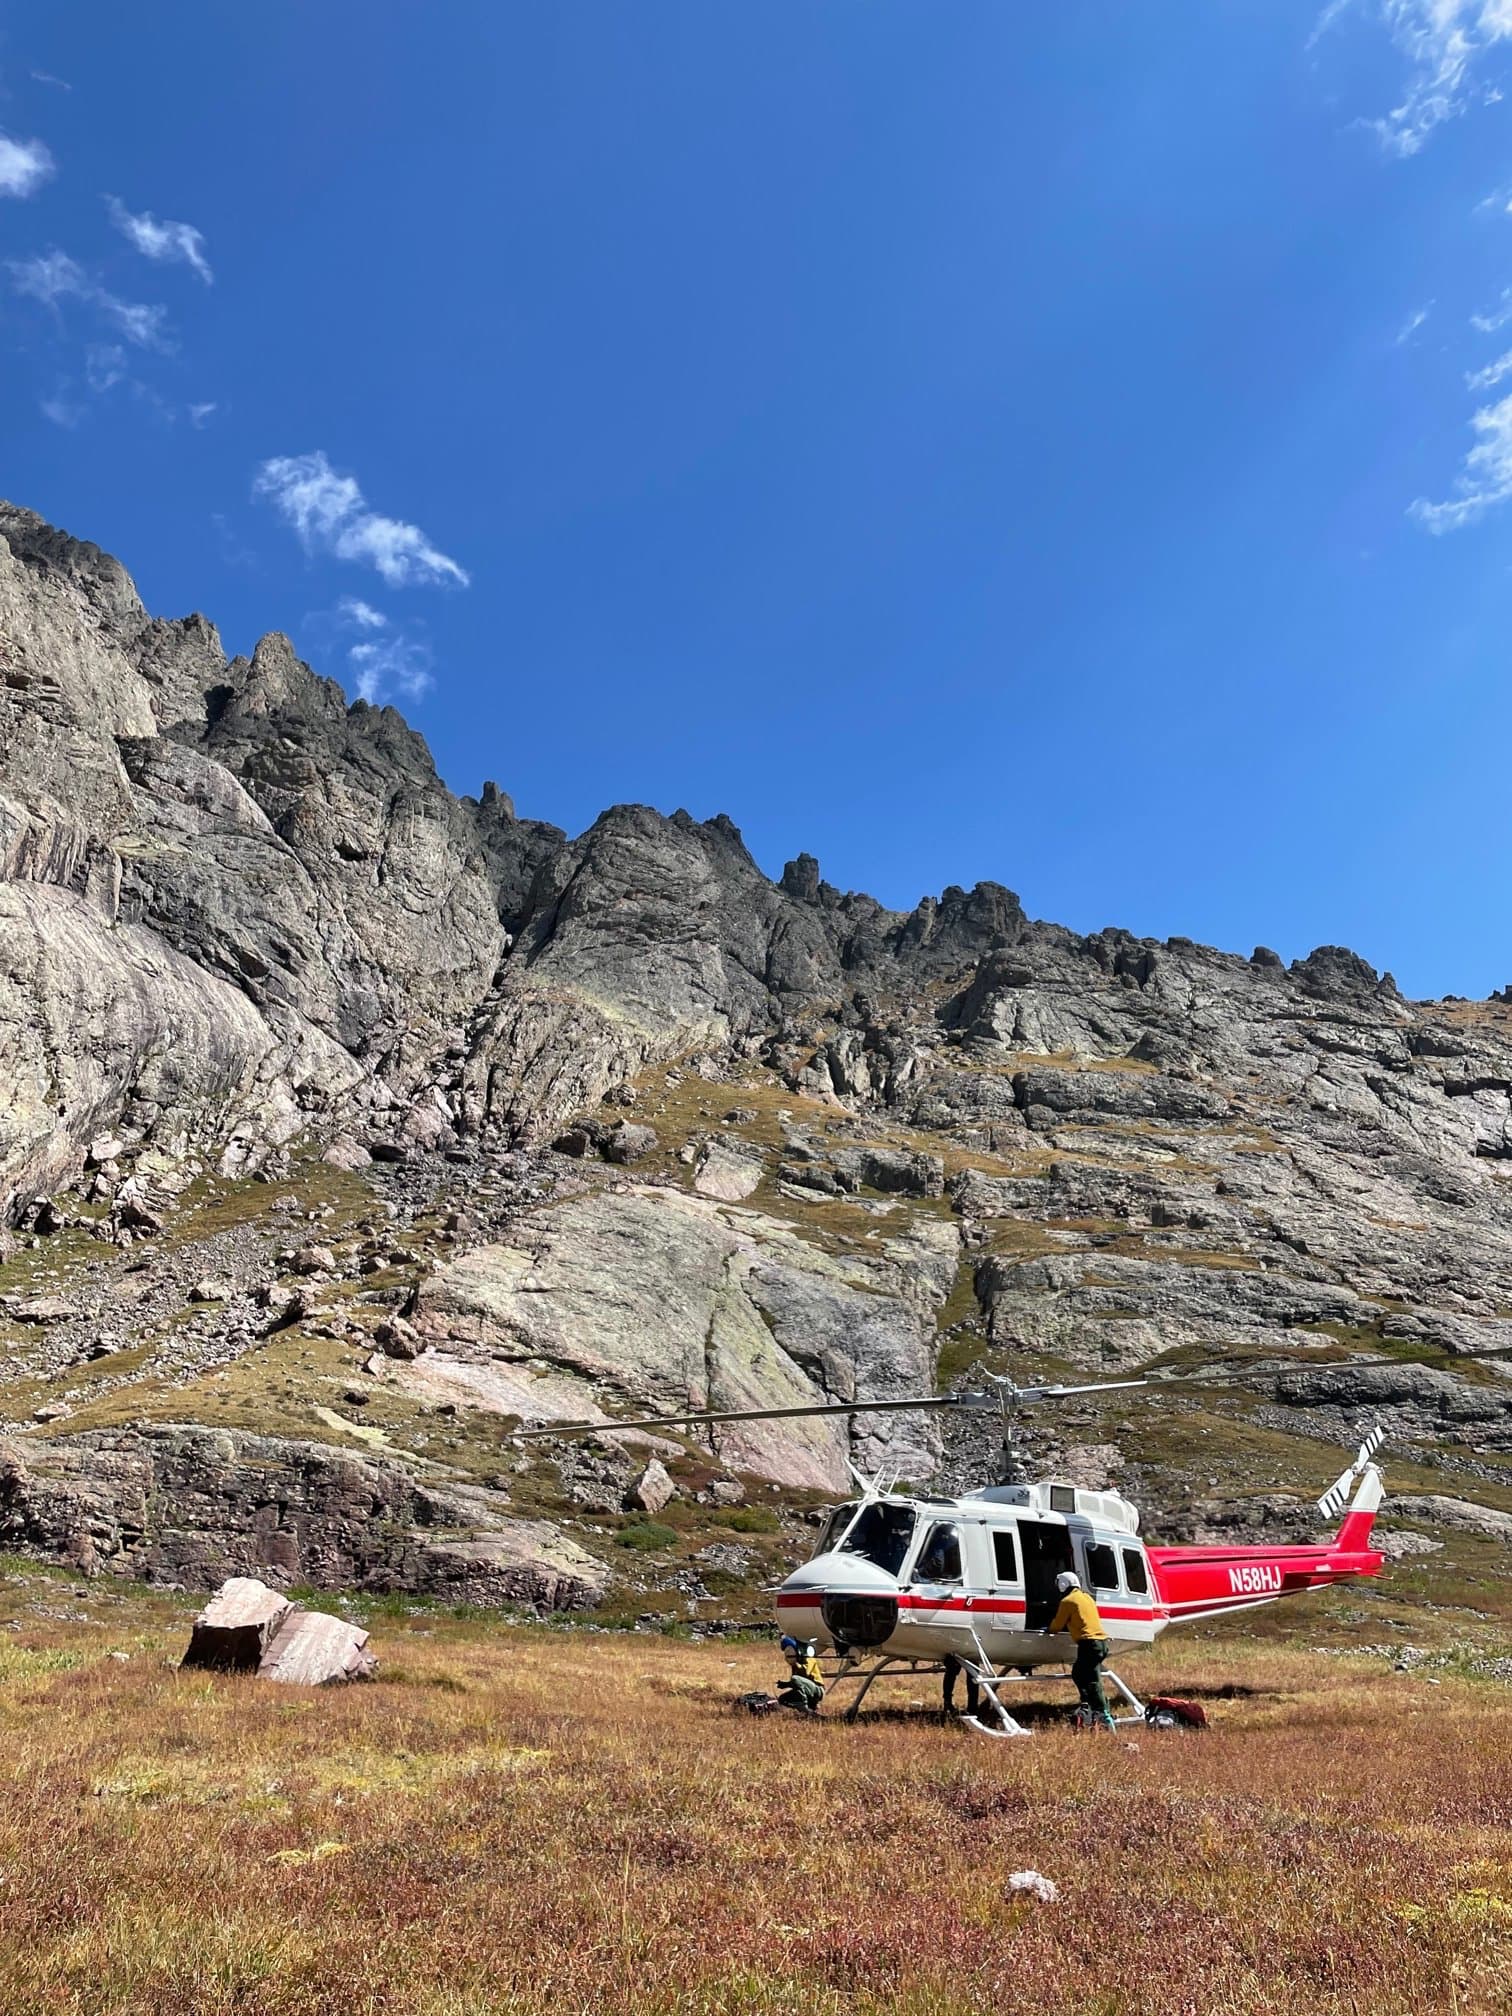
806 1147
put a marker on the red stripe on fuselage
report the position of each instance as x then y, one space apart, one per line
1007 1606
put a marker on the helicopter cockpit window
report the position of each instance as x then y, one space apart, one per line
834 1528
940 1557
881 1536
1135 1577
1102 1567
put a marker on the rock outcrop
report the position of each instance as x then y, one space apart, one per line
650 1301
809 1148
195 1506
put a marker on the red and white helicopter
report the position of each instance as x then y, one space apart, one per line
899 1581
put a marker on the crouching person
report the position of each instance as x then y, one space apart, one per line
803 1689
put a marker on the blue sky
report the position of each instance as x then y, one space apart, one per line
1035 443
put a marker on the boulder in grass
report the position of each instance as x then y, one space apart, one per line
246 1627
312 1649
345 1153
652 1491
234 1630
629 1142
42 1309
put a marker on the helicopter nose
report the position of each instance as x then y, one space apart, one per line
841 1597
841 1571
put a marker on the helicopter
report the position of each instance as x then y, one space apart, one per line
897 1582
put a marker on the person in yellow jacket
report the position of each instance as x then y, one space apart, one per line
1078 1615
804 1687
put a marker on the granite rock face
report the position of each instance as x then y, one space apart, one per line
171 819
822 1149
197 1506
649 1301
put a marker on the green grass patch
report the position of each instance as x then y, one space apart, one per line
646 1537
751 1519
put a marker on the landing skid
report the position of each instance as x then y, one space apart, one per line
864 1673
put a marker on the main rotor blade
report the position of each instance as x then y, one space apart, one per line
1030 1394
712 1416
1273 1368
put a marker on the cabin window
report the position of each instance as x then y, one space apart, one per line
1135 1577
1005 1555
940 1558
1062 1498
881 1535
1102 1567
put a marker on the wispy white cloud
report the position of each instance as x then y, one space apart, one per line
51 277
1485 478
46 77
1413 323
360 615
24 166
61 410
385 659
1446 44
48 276
389 665
161 240
1490 374
1489 320
140 323
104 366
199 415
330 515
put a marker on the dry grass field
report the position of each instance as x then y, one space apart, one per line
528 1820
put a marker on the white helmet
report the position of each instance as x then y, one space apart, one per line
1065 1583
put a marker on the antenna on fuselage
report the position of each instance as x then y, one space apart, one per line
872 1487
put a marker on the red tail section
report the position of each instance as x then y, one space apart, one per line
1210 1581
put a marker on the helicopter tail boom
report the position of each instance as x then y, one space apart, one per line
1211 1581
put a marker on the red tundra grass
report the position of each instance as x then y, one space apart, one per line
523 1821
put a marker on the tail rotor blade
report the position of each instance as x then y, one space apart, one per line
1338 1494
1336 1497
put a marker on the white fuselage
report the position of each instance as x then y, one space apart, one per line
917 1578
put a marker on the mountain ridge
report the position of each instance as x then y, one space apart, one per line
244 927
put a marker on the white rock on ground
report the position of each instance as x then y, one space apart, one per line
234 1630
653 1490
313 1649
727 1173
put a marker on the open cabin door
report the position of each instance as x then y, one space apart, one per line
1047 1553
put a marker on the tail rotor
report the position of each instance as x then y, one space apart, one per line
1338 1494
